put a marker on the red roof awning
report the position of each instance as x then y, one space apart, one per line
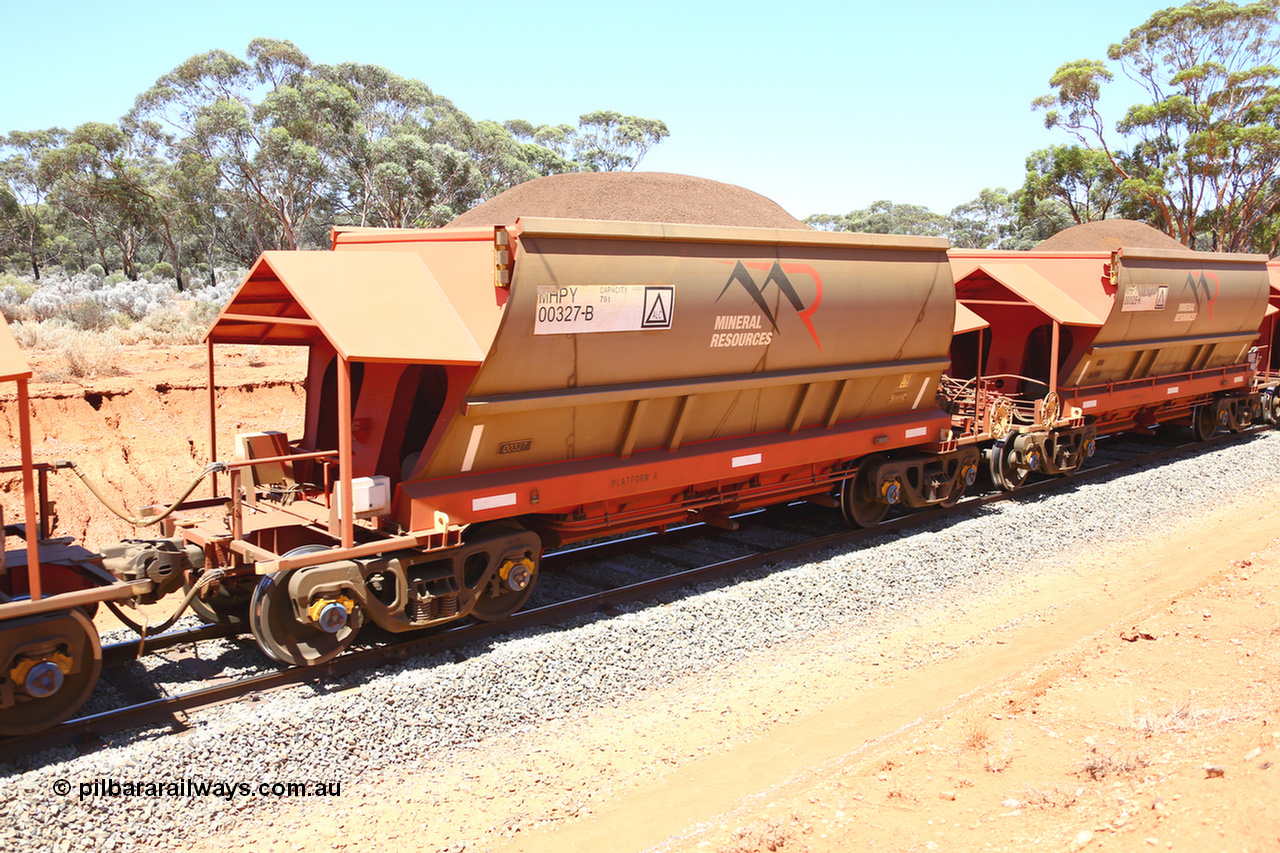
13 364
371 306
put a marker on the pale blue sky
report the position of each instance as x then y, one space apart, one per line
822 106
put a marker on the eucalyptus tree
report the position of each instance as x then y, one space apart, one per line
273 133
95 180
408 160
983 222
1082 179
610 141
886 217
26 218
603 141
1205 146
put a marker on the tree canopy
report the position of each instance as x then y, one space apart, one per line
1203 151
225 157
990 221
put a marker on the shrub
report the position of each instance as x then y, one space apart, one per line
14 292
88 355
163 269
203 312
87 314
114 278
96 270
71 266
33 334
22 288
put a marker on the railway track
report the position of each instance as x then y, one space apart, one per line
583 565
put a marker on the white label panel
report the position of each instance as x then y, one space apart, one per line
1145 297
1173 389
584 308
493 502
917 432
743 461
1089 404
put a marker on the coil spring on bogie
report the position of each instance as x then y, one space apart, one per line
431 608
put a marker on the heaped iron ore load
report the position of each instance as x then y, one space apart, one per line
478 394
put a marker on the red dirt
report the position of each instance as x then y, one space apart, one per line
143 436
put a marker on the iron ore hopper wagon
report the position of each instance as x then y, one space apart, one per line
476 395
1083 343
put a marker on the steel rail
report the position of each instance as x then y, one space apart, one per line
125 651
172 710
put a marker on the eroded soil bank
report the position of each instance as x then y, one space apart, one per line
143 436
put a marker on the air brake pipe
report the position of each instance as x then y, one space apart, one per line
141 521
143 629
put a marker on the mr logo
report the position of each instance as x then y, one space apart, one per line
1206 283
776 274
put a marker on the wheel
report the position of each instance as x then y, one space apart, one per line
44 694
1004 474
1051 409
510 586
229 604
858 500
279 632
1203 423
506 591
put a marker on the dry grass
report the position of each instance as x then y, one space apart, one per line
994 763
1048 797
1184 716
976 735
87 355
897 793
1098 765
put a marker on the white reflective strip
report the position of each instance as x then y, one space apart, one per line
1089 404
493 501
1173 389
472 446
743 461
917 432
920 396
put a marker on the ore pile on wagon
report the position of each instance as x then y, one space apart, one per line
478 393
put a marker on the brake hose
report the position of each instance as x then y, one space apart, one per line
145 628
142 521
